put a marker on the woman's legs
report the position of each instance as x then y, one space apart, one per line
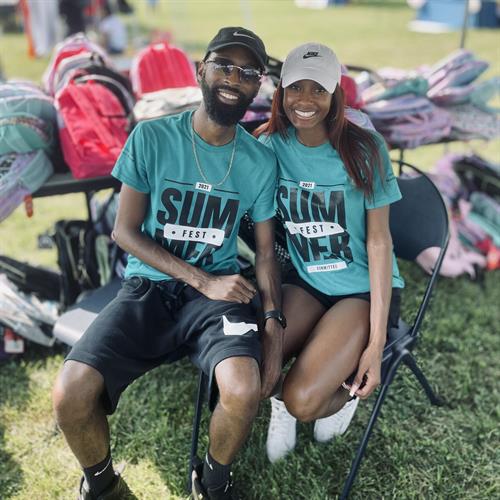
302 311
329 354
327 345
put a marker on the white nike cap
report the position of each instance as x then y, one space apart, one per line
312 61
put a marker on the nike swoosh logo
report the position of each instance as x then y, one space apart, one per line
242 34
101 471
307 56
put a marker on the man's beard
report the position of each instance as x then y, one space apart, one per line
224 114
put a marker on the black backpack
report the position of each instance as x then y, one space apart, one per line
76 256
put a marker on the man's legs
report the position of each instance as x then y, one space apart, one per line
79 412
82 419
238 380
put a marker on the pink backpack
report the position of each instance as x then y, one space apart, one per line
93 127
69 47
161 66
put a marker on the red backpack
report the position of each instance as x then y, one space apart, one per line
161 66
73 45
93 127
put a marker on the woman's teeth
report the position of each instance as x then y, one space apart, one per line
305 114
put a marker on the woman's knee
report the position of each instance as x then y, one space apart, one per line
303 402
76 392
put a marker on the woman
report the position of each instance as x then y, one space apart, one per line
334 191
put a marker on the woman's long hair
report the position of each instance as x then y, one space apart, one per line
356 147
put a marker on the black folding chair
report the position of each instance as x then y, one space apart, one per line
418 221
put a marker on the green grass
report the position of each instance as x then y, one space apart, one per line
416 452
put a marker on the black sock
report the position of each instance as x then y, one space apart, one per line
214 473
100 476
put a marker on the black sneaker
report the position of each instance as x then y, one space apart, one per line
118 490
199 492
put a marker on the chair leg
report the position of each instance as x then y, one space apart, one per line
411 363
196 425
364 441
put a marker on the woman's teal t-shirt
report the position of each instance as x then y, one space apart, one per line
324 214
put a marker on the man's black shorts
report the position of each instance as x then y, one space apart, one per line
150 323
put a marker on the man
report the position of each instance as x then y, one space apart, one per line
187 180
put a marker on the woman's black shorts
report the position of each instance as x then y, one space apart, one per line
293 278
150 323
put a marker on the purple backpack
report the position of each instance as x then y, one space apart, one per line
20 176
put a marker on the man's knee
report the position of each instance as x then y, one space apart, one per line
238 380
76 393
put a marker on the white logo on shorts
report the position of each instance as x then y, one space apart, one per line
237 328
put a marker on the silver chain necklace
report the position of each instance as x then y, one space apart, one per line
197 161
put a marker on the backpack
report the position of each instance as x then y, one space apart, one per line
85 253
71 46
44 283
160 66
76 257
92 64
93 127
27 119
21 175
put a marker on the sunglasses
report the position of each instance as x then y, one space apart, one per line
248 75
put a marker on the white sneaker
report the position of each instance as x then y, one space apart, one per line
281 435
336 424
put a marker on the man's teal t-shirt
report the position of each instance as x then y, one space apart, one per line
324 214
193 219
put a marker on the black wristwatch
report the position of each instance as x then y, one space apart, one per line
276 314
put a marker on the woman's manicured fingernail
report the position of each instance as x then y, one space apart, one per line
354 388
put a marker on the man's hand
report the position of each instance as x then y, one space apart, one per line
272 356
368 371
233 288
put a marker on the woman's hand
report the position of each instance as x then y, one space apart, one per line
368 372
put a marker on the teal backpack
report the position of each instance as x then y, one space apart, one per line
28 119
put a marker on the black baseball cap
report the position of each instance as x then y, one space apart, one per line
236 35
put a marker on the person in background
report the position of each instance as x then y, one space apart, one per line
41 25
187 181
334 191
112 31
72 11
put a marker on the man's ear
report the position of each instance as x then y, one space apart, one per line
199 71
